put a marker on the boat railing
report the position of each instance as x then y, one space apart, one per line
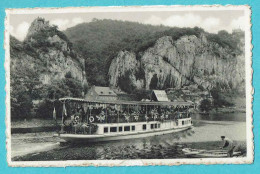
88 124
80 128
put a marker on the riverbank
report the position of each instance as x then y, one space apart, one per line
34 122
228 110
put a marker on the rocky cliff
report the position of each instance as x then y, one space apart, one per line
176 63
46 61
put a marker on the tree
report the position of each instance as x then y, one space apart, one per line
216 97
142 94
219 99
154 82
21 102
45 109
205 105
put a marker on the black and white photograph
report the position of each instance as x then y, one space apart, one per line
124 86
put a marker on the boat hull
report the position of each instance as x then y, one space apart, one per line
103 138
200 153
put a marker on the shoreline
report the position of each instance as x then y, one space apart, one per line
229 110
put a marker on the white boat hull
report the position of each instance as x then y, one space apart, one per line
103 138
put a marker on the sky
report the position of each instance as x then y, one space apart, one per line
210 21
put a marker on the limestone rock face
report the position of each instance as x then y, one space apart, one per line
188 60
59 65
125 63
47 54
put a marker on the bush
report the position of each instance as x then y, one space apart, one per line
21 103
142 94
45 109
219 99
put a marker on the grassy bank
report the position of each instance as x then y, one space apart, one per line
34 122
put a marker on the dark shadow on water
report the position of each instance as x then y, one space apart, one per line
239 116
157 147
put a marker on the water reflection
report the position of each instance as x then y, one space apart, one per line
238 116
158 147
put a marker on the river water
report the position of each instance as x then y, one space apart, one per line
204 135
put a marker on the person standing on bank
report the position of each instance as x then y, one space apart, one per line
229 144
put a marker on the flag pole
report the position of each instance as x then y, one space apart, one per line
62 117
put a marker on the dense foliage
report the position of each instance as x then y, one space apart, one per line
205 105
219 98
226 40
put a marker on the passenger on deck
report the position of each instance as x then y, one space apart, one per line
82 114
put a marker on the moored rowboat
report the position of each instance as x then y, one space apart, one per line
202 153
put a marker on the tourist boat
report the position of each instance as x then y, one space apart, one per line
202 153
96 121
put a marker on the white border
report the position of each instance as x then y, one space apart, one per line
249 89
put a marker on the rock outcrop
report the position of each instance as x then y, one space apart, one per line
46 53
187 60
125 63
37 25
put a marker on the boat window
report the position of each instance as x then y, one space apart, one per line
120 129
144 126
182 122
133 128
105 129
159 125
127 128
155 126
113 129
151 126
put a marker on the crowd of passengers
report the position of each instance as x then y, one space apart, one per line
125 113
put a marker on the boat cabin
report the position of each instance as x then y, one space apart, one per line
81 116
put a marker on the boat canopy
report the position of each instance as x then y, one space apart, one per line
118 102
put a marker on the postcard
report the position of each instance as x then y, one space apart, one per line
129 86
